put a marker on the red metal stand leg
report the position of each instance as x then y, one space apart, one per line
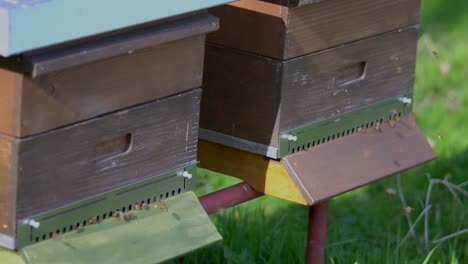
228 197
317 234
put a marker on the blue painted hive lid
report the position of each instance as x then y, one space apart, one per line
31 24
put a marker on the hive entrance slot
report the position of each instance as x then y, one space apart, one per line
313 141
79 224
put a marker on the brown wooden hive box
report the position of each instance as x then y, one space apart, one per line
59 86
53 169
285 29
253 99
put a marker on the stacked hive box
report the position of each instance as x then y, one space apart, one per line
286 64
81 120
282 77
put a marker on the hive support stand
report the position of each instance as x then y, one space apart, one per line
261 176
243 192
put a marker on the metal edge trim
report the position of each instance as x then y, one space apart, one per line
239 143
8 242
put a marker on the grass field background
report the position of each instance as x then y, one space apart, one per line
369 225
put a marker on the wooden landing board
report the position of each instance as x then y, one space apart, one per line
317 174
27 25
153 236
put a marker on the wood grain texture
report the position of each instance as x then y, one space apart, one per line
241 95
328 83
79 93
249 25
322 174
252 26
294 3
10 102
61 166
255 98
7 187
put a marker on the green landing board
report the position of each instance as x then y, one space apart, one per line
154 235
10 257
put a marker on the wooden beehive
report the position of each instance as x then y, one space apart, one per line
282 78
52 88
81 121
285 29
256 98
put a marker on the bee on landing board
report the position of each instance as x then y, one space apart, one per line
93 220
162 205
79 229
378 127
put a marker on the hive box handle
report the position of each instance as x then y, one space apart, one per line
350 74
113 147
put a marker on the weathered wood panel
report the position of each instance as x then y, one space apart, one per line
7 187
241 95
98 155
363 158
342 79
254 97
79 93
10 98
294 3
251 25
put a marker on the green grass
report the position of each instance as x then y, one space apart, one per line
368 225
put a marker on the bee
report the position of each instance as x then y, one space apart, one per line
126 217
137 206
378 126
391 123
390 191
92 220
117 214
409 209
79 229
397 119
440 136
162 205
435 54
56 236
361 130
144 206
